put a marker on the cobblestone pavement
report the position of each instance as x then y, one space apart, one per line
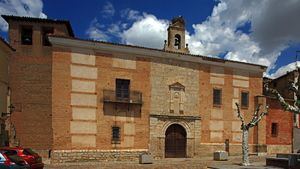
232 163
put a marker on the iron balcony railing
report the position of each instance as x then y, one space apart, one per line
134 97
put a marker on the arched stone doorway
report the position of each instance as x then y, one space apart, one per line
175 141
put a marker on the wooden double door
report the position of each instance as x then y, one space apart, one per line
175 142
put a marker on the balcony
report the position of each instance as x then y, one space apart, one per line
110 96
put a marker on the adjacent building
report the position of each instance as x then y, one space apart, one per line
5 52
78 98
283 132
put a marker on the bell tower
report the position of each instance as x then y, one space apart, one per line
176 36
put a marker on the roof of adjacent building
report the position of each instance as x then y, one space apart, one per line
285 75
6 44
206 58
8 18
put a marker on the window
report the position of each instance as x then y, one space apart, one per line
46 31
115 134
122 89
217 97
26 36
245 99
274 129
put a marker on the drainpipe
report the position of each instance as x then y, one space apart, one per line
295 116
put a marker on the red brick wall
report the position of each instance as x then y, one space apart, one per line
107 74
229 114
30 82
139 81
284 120
61 89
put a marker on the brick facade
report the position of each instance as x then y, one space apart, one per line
285 124
66 98
30 82
5 53
153 77
282 141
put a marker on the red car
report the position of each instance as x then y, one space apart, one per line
10 160
31 157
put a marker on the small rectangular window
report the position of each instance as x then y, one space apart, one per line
217 97
122 89
245 99
46 31
26 35
274 129
115 134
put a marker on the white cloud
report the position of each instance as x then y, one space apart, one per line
284 69
32 8
219 34
273 27
95 31
114 29
148 31
131 14
136 29
108 10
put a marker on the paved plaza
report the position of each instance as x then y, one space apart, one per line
258 162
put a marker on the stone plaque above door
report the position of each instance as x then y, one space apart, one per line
177 98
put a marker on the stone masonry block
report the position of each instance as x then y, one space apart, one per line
145 159
220 156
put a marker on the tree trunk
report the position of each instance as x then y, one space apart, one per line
245 147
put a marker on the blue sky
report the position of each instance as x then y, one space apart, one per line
262 32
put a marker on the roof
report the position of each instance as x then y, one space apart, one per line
178 19
285 75
8 18
6 44
206 58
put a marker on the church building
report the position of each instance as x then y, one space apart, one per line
83 99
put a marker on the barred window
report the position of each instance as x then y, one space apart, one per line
122 88
274 129
115 134
217 97
245 99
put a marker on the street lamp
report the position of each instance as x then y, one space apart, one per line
11 108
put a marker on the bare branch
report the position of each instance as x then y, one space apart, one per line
256 111
257 119
293 87
284 104
239 114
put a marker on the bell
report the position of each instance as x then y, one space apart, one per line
177 43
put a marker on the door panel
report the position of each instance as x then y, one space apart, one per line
175 142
